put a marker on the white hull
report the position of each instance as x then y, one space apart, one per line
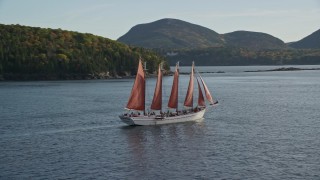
153 120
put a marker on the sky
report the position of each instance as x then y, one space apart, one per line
288 20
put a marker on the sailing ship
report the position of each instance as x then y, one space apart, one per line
137 114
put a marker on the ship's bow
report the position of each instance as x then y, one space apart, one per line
127 120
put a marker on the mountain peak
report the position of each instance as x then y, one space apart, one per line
171 33
310 42
253 40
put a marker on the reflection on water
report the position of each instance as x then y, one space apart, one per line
150 139
146 144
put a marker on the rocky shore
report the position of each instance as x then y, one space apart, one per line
41 77
285 69
49 77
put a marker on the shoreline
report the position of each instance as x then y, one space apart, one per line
66 77
268 70
285 69
61 77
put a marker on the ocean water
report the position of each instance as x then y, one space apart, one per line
266 126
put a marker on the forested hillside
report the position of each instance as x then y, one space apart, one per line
38 53
226 56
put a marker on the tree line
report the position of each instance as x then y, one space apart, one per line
226 56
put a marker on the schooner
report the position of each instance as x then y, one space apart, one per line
136 102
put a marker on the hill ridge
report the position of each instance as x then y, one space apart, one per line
158 34
311 41
253 40
170 33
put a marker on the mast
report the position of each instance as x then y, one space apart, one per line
188 102
157 97
137 97
173 100
145 82
201 101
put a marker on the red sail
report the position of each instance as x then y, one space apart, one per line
201 101
207 92
173 101
157 97
137 96
189 97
